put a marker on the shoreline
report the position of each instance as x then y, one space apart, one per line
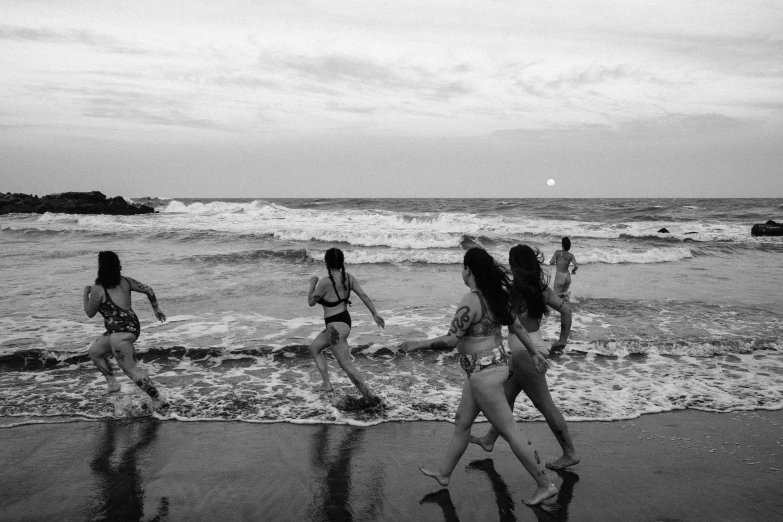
685 464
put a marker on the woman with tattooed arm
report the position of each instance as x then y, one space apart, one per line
335 300
476 333
531 299
111 297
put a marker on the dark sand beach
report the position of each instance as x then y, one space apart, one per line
683 465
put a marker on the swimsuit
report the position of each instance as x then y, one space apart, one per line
342 317
485 326
484 359
562 282
117 319
491 357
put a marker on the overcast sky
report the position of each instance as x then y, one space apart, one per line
485 98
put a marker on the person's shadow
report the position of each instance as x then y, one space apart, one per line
117 476
333 498
557 512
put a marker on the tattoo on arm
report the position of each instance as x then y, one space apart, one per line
440 345
460 322
138 286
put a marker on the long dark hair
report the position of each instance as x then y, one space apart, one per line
530 281
335 260
109 269
492 280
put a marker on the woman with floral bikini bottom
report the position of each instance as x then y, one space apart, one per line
476 333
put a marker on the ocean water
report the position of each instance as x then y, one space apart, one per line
688 319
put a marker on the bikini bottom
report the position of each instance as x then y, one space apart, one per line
485 359
342 317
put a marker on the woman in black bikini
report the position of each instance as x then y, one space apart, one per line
111 297
335 300
530 297
476 333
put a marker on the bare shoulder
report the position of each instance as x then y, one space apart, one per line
470 299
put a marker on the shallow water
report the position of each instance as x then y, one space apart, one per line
661 321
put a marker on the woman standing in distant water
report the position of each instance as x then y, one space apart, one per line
530 297
111 297
563 258
338 321
476 332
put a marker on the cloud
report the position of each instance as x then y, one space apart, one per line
100 42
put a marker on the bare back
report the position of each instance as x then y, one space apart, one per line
120 294
563 259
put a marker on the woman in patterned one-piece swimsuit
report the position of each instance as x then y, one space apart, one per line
111 297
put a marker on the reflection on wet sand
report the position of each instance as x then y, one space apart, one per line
333 499
502 495
546 512
117 478
443 499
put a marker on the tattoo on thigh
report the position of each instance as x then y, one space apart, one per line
538 459
334 336
146 386
119 356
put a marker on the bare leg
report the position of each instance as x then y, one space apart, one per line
316 350
534 384
487 387
467 411
338 339
512 389
99 355
124 354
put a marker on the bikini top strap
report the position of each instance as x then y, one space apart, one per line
336 293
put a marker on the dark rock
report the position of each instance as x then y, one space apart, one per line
770 228
70 203
663 231
691 233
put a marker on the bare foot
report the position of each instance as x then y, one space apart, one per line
483 442
160 403
563 462
541 494
326 388
113 387
442 480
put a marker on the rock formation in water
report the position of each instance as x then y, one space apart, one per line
70 203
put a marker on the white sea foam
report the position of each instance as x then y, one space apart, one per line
455 256
362 227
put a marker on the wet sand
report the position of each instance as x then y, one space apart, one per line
685 465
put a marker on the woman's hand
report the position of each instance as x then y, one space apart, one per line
313 281
408 346
160 315
87 290
557 346
379 321
541 363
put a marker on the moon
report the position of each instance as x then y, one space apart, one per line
550 182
